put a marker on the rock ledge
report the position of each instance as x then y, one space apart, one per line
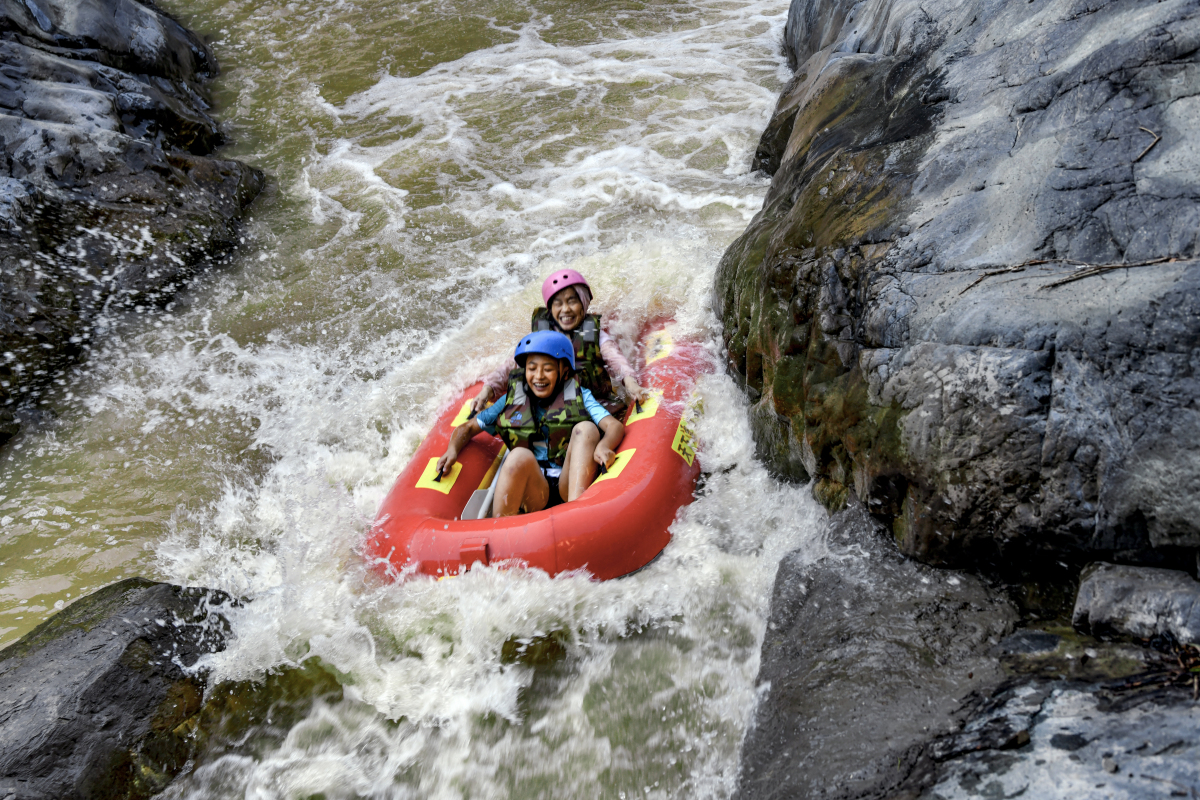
97 701
109 194
907 310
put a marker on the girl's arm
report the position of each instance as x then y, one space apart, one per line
616 363
494 385
458 440
614 432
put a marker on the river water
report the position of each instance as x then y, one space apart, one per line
429 163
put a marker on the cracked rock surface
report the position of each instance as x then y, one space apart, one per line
1074 743
885 678
897 309
109 193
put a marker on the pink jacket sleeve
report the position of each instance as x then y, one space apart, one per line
498 380
614 359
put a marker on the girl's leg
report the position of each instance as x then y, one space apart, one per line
579 468
520 484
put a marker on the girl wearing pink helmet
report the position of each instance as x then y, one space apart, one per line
567 297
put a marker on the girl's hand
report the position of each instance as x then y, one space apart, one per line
635 391
604 456
481 399
447 461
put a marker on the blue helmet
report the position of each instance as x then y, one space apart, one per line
548 343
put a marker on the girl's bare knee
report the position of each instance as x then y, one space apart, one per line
587 429
518 459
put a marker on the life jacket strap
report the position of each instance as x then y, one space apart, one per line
589 332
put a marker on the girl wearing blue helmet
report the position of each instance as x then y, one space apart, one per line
552 427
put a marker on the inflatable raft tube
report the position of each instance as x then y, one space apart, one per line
434 527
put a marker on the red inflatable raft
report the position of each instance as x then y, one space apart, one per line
617 526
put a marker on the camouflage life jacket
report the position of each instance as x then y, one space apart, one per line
517 425
589 364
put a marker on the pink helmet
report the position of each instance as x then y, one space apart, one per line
557 281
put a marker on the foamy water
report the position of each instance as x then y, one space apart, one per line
244 438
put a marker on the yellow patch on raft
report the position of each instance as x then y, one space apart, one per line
649 408
618 464
685 442
463 413
426 481
658 346
491 473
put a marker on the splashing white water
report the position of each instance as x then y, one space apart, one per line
399 258
656 687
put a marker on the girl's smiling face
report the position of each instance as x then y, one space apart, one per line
566 308
541 374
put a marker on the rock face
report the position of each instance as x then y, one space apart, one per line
109 195
95 702
885 678
1138 601
900 310
867 655
1068 742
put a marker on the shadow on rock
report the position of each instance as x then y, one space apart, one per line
867 656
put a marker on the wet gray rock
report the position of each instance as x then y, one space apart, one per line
897 310
1141 602
867 656
885 678
1028 642
1054 740
96 702
110 196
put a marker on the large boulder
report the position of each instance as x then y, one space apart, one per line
882 677
1141 602
109 193
867 656
912 311
98 701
